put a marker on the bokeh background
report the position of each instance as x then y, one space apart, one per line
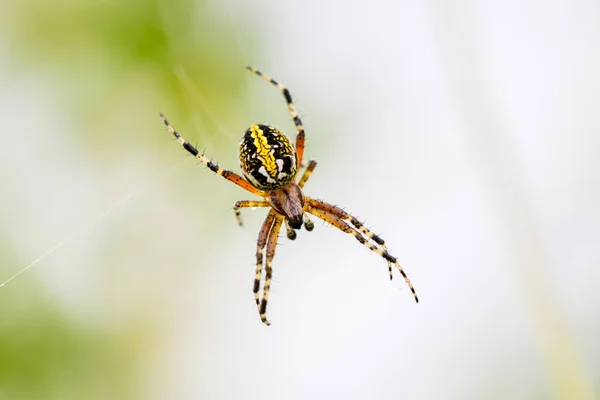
466 133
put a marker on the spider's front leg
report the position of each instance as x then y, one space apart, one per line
319 209
246 204
271 246
263 236
335 210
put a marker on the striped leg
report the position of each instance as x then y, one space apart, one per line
246 204
260 245
291 108
310 167
344 227
335 210
230 176
271 246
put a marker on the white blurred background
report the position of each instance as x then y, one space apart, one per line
466 134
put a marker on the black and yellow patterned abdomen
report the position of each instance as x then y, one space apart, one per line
267 158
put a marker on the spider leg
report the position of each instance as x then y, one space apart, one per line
310 167
335 210
291 108
230 176
344 227
260 245
271 246
246 204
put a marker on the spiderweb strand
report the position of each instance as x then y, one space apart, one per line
85 228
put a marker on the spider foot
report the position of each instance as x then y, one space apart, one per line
264 319
238 217
263 312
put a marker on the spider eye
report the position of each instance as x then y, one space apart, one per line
267 157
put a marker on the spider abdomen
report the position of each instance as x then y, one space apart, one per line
267 158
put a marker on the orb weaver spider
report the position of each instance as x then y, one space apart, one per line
270 165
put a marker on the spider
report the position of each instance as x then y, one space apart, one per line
270 166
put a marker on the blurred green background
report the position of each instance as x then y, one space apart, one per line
467 135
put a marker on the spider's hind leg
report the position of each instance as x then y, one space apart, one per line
310 167
229 175
292 109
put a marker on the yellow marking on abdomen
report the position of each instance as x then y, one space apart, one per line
263 149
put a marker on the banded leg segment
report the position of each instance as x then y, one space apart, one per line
271 246
335 210
246 204
288 99
263 236
230 176
339 223
310 167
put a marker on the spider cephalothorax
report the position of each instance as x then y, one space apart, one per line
289 201
270 164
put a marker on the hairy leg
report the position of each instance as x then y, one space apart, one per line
310 167
344 227
246 204
230 176
288 99
260 245
271 246
337 211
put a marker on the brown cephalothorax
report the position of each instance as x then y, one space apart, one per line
270 165
289 201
